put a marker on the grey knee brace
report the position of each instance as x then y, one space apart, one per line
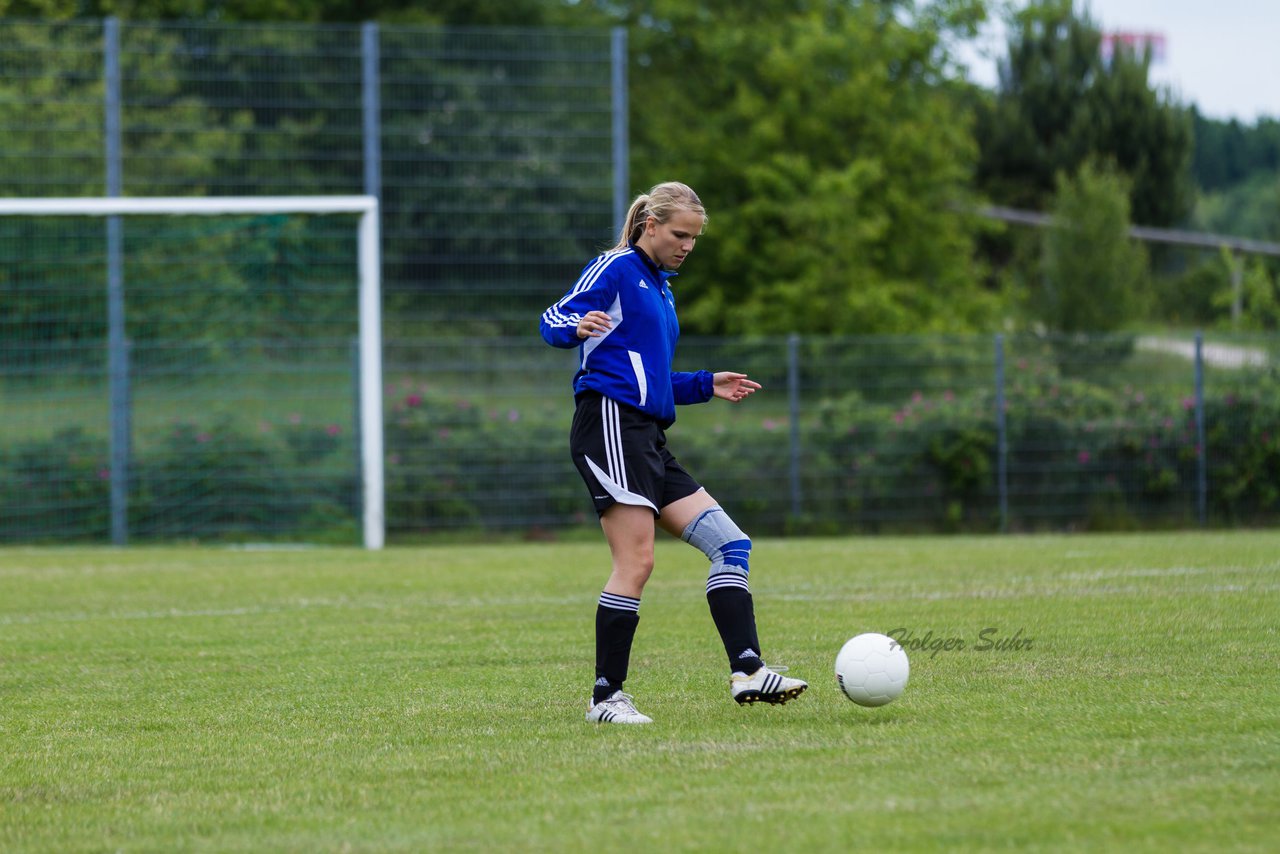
725 544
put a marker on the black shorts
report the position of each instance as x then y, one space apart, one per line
622 456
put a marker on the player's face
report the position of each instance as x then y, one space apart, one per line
669 243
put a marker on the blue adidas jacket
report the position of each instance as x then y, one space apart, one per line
631 362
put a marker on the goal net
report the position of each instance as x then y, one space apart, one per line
198 369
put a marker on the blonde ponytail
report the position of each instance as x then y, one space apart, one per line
660 202
636 216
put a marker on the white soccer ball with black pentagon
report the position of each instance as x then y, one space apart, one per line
872 669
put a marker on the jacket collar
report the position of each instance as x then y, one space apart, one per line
662 274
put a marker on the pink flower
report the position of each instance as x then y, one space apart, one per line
1082 458
916 397
1188 403
333 430
897 417
104 473
413 400
203 437
513 415
948 396
770 425
295 418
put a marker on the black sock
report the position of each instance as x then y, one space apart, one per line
616 621
735 617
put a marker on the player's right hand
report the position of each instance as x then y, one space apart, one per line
594 324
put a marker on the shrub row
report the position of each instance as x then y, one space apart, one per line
1078 455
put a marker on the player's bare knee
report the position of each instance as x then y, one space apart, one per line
634 567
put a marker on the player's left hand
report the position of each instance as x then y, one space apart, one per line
733 387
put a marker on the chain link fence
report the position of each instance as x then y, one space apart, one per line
497 157
494 152
872 434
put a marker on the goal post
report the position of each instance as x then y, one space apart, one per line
369 358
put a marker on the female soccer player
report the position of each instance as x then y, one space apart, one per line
622 317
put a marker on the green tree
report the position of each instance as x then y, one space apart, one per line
175 142
1250 208
1093 272
449 12
1059 104
1251 296
1229 152
825 140
1261 303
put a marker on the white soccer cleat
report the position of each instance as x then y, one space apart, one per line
617 708
766 685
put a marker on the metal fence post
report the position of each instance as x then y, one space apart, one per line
371 91
621 150
1202 464
353 357
1002 439
117 346
793 405
372 109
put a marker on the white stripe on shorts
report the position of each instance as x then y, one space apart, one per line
614 459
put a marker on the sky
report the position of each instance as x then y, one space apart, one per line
1221 55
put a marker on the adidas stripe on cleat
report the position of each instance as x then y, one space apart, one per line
766 685
617 708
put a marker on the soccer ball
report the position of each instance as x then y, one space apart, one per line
872 669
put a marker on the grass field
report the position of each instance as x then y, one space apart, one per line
432 699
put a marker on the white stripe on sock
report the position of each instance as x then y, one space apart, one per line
723 580
619 603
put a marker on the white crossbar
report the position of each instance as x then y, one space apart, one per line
124 205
